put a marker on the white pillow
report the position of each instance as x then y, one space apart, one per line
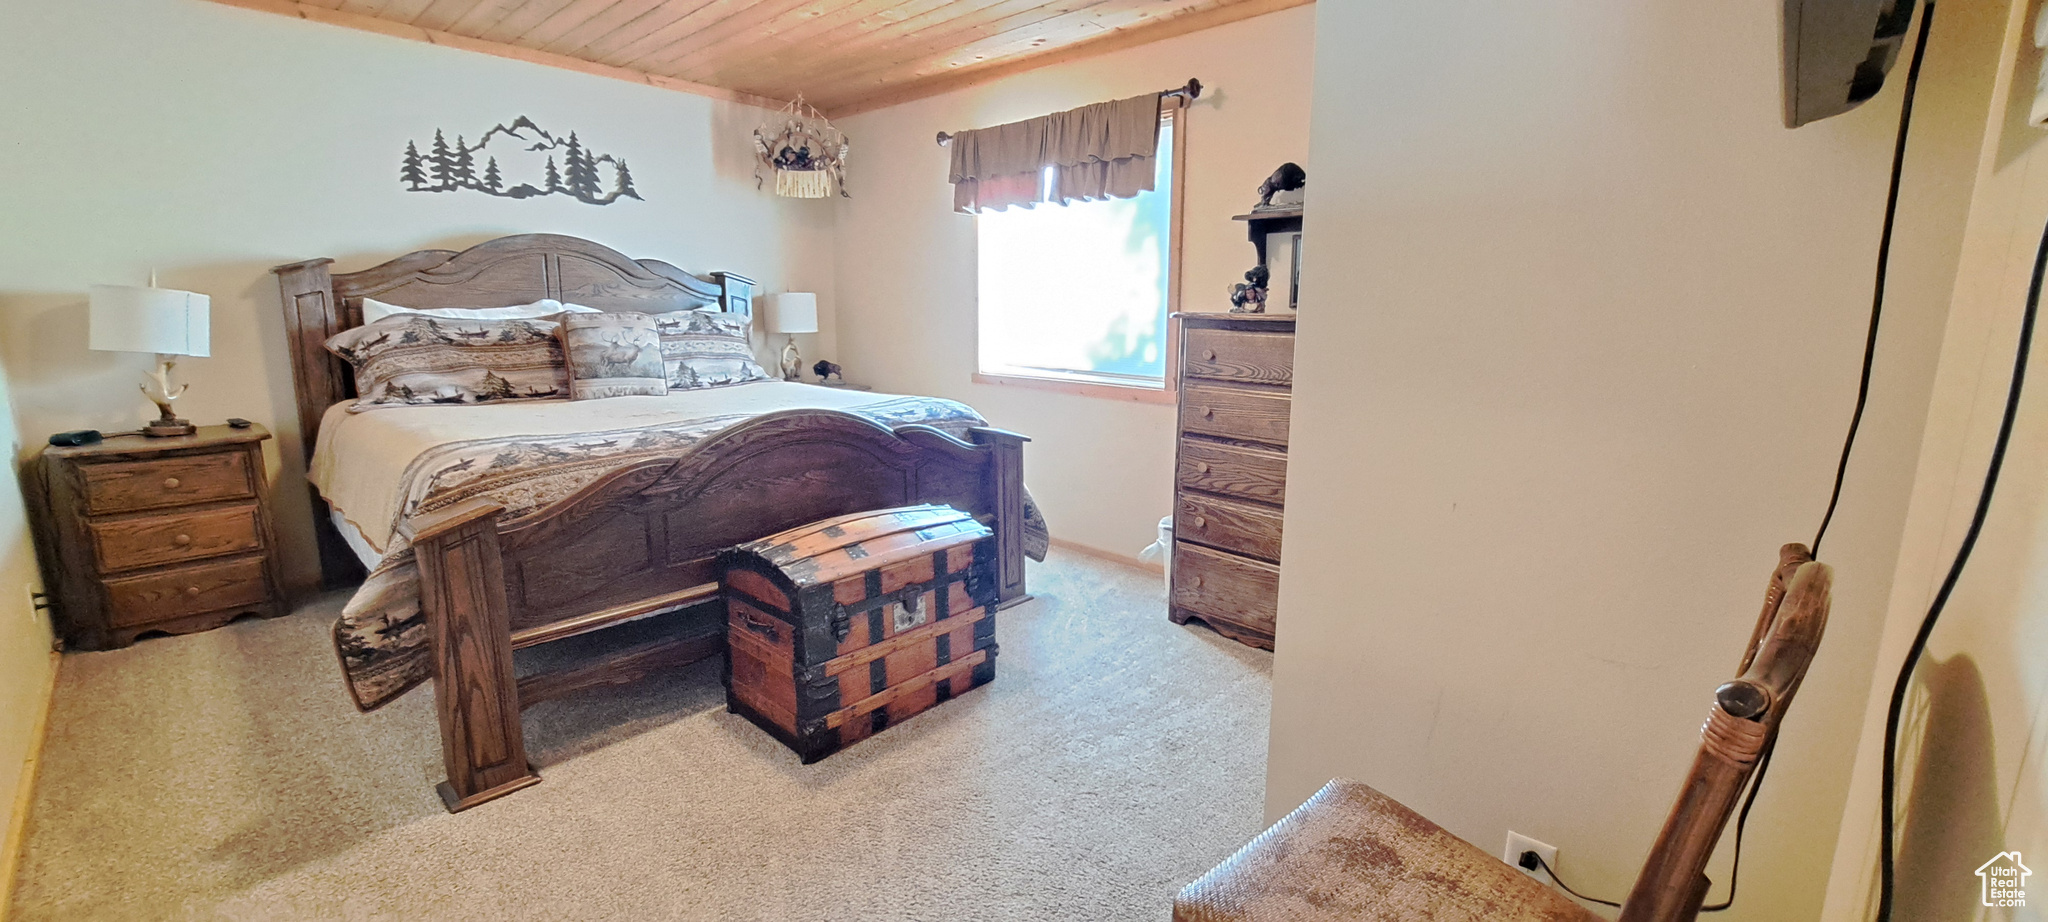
375 310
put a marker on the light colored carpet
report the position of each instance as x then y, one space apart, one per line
225 775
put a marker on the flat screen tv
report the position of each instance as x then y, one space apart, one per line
1836 53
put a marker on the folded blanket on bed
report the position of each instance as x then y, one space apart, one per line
382 634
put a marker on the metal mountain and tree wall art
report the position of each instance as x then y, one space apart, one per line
535 163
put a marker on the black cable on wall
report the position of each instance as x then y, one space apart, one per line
1884 252
1888 790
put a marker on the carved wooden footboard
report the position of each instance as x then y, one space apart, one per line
643 539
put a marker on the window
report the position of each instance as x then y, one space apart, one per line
1080 292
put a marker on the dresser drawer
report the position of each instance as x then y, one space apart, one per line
129 543
1234 413
124 486
1232 355
1232 471
1233 526
1215 585
188 590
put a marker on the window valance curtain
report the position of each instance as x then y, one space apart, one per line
1098 151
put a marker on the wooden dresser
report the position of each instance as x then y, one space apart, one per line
158 534
1230 471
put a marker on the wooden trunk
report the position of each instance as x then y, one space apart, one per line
840 628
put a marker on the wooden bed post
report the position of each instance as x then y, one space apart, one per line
735 293
476 692
1006 488
310 317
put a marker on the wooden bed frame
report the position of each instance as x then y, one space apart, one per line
638 541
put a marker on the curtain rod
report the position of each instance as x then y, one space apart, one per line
1192 91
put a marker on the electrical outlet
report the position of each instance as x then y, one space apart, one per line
1518 843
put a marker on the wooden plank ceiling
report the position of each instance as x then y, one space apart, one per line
842 55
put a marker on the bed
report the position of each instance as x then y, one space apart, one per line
489 528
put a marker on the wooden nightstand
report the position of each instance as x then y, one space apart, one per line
159 534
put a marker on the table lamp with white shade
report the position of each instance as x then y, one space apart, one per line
127 318
790 313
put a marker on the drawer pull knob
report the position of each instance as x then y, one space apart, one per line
1208 412
1195 582
1201 467
1201 522
171 483
191 590
1208 355
182 540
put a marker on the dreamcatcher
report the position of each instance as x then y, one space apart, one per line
807 154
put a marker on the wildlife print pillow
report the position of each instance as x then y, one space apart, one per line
613 355
411 359
707 349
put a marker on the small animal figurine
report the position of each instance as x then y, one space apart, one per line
826 371
1249 296
1289 177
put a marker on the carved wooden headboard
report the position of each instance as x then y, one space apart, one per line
502 272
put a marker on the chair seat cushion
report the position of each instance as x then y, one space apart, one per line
1353 854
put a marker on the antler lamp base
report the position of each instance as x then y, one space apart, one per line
167 422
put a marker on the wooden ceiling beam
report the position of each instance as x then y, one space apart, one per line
298 10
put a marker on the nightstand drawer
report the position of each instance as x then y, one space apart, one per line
124 486
138 600
127 544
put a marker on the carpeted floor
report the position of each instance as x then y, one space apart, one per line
225 775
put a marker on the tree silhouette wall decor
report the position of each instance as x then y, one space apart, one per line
520 160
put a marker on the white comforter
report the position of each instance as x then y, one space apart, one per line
360 463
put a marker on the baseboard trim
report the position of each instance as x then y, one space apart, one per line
17 823
1111 556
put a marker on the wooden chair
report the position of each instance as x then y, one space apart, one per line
1351 853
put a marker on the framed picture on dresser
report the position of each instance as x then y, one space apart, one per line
1283 260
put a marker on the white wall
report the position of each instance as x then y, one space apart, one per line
211 143
1971 777
1100 468
25 662
1583 337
